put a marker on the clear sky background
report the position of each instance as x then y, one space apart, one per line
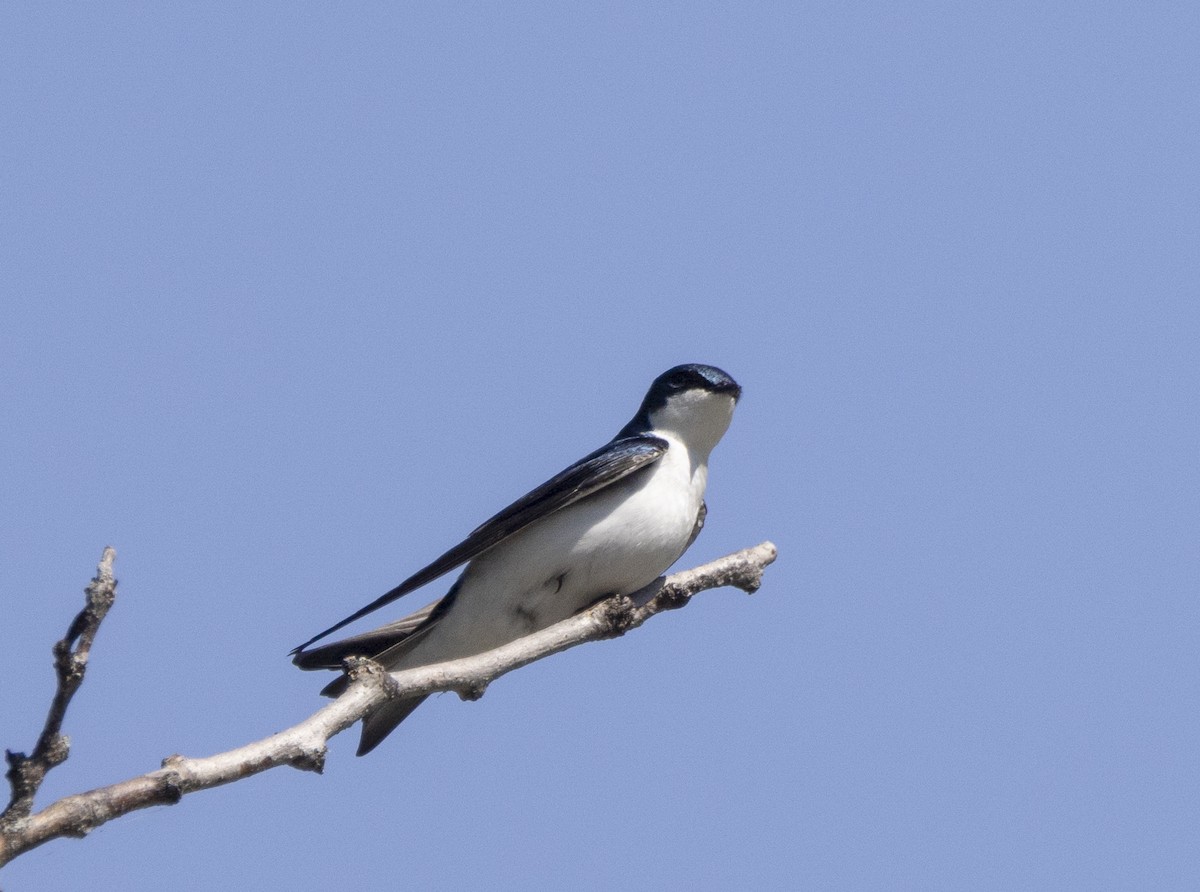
296 295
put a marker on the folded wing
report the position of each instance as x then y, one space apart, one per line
594 472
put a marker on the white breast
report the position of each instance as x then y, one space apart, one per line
616 541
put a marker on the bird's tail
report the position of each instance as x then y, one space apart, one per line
384 720
388 645
380 723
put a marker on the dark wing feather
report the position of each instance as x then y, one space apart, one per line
594 472
374 642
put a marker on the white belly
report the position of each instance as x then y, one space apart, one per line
614 542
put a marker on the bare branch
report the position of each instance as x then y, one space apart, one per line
26 773
304 745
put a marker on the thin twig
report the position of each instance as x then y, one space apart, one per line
304 745
26 773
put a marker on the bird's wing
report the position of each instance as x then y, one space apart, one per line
594 472
373 643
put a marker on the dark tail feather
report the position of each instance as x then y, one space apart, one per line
388 645
373 643
384 720
336 688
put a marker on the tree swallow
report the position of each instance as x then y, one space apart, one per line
609 524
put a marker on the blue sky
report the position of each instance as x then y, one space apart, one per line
297 295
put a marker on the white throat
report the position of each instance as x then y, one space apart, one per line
696 418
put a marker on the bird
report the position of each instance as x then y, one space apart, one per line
610 524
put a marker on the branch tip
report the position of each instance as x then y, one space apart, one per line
27 772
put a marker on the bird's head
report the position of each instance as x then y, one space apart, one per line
691 402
